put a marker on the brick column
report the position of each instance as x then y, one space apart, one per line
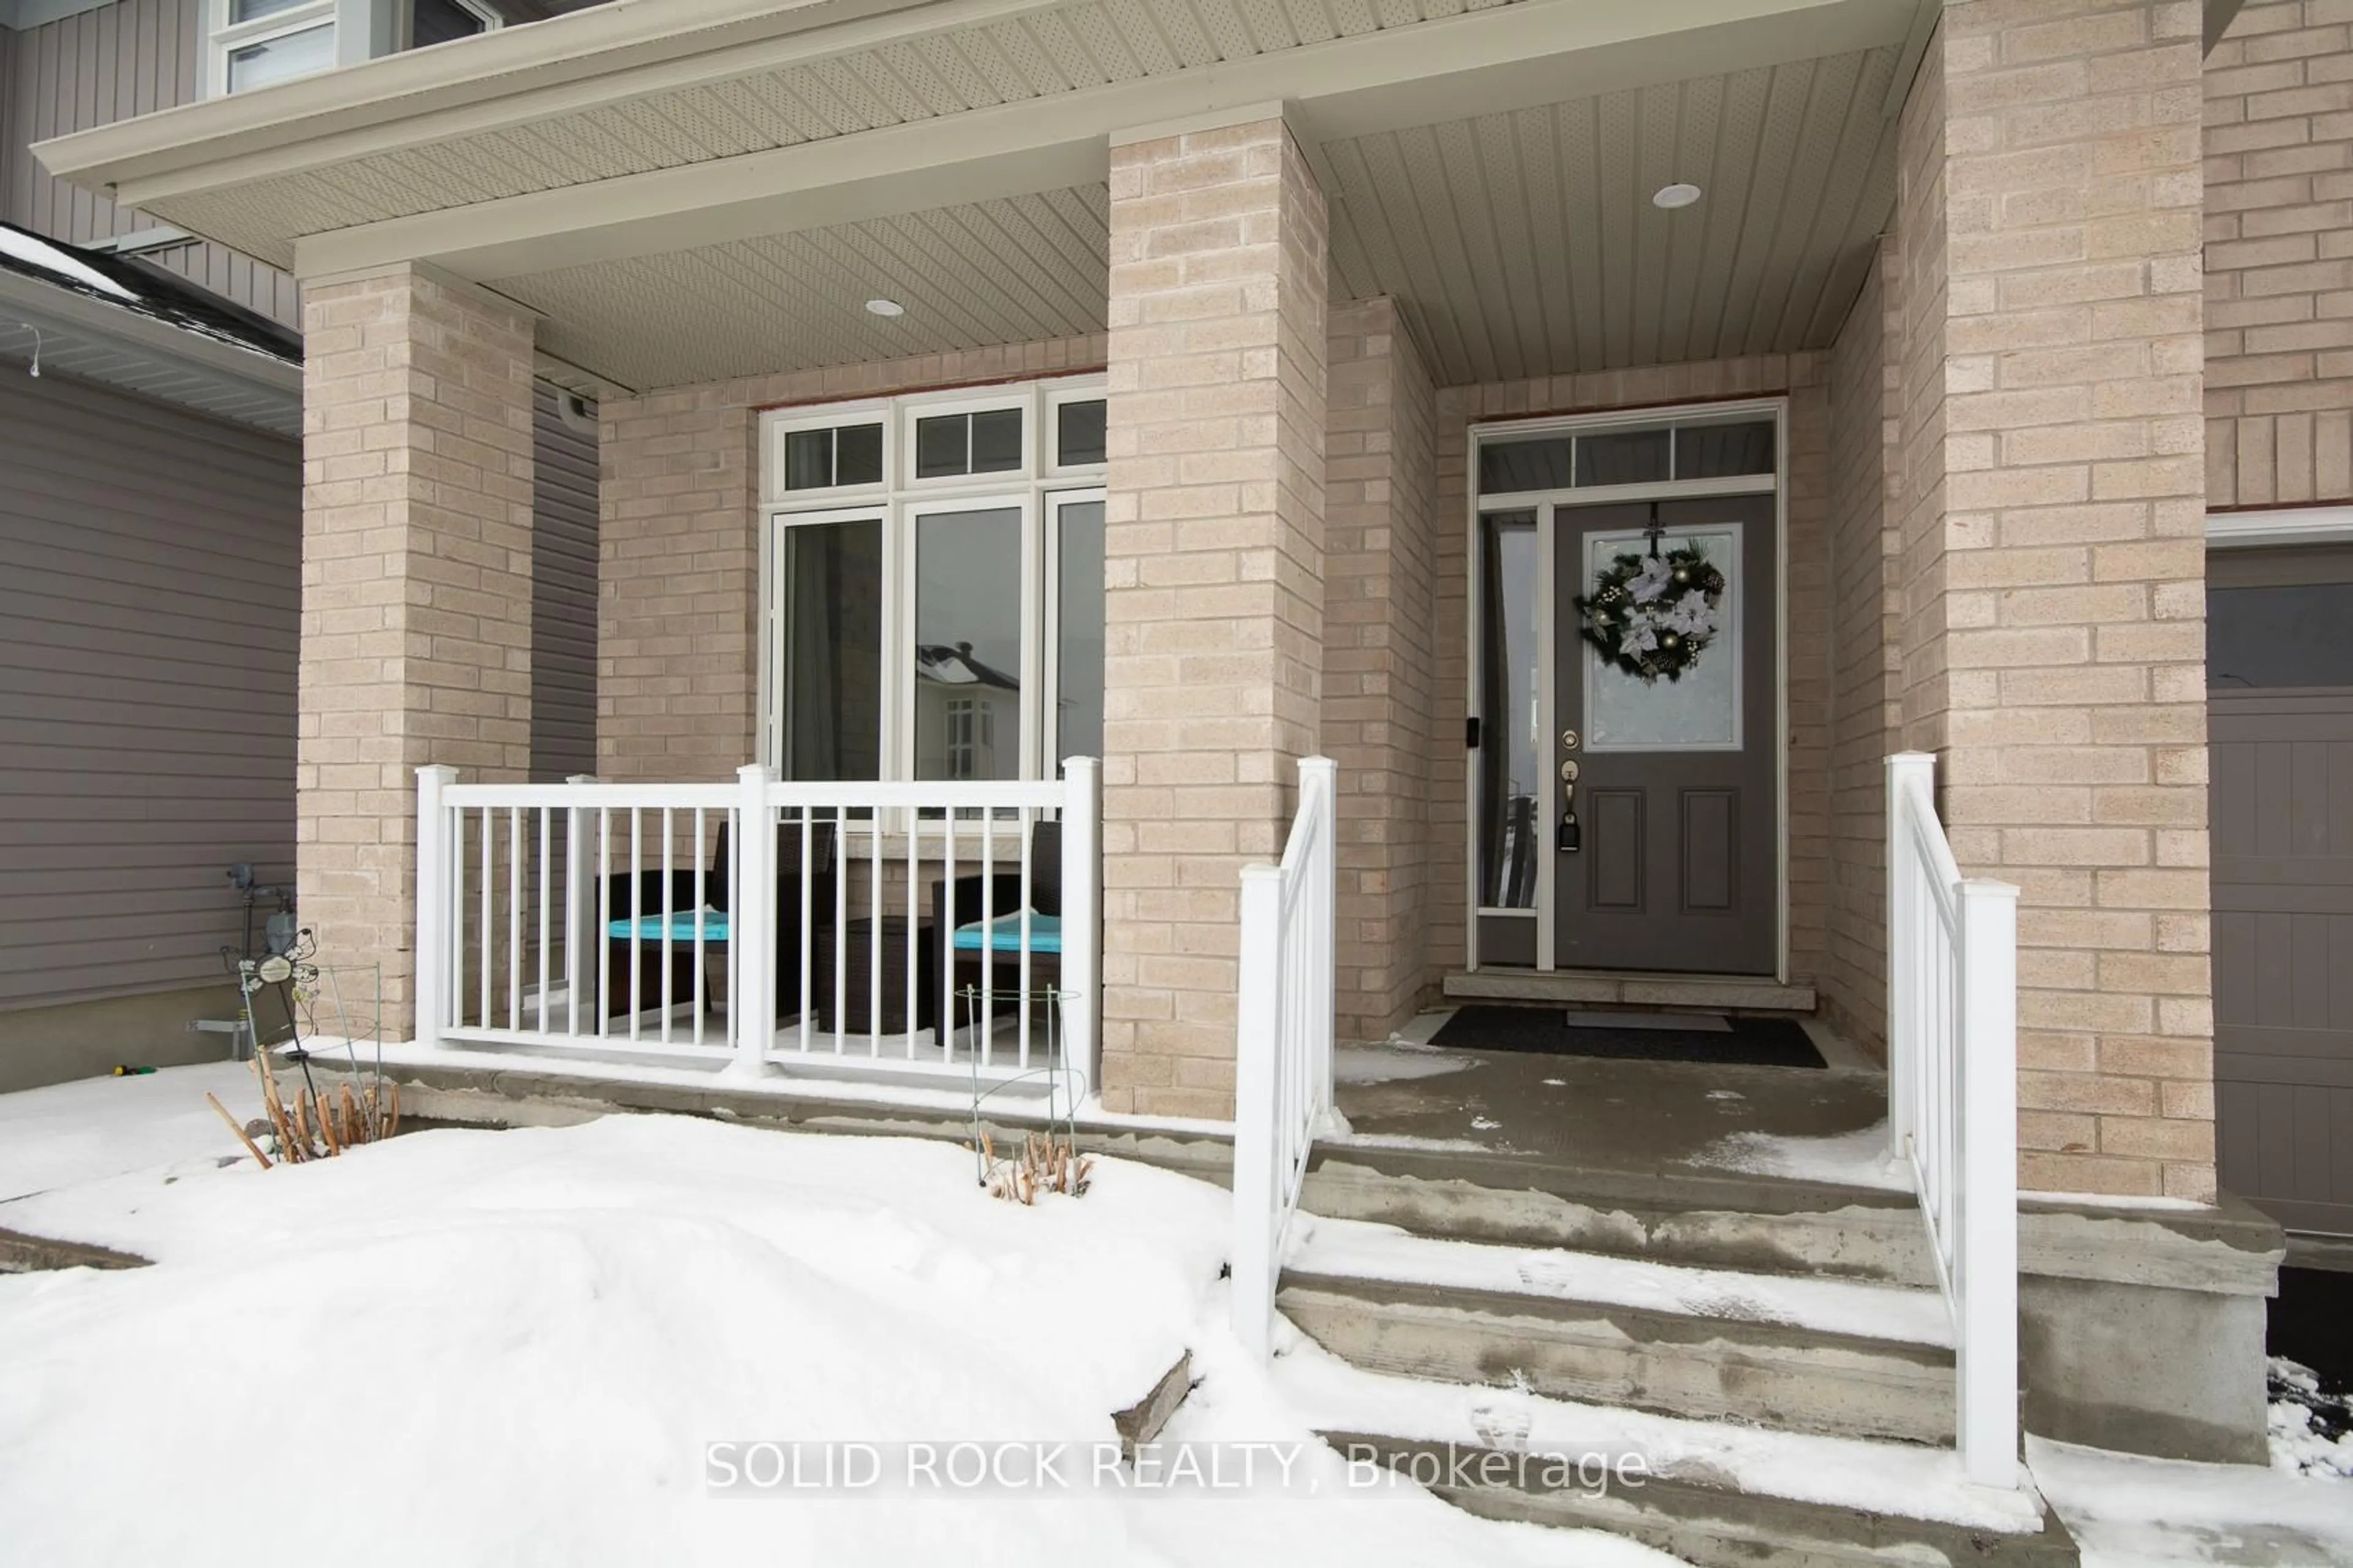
1214 580
2050 499
416 518
1379 661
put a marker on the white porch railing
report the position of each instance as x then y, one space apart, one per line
621 919
1283 1056
1952 1099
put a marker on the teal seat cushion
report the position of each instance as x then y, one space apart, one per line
1003 934
680 926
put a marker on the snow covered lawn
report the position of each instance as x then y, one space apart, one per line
477 1347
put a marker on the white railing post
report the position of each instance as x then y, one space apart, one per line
751 917
1258 1067
1320 777
1081 1010
583 918
433 912
1987 1245
1905 915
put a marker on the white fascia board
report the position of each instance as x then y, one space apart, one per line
509 76
46 306
1538 52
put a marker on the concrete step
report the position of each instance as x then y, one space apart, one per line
1704 1522
1757 1225
1711 1493
1823 1356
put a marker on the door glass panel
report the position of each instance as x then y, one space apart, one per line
2290 635
1723 451
1511 467
282 59
967 643
1626 457
1509 743
1079 652
1700 710
833 650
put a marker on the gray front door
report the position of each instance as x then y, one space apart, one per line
1675 866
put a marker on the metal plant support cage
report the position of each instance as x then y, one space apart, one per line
1062 1092
349 997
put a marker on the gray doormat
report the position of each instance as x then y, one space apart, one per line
1748 1042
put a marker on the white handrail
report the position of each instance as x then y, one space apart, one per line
1952 1106
1283 1046
853 961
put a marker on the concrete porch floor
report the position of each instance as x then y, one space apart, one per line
1632 1119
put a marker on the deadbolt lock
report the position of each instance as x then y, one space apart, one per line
1568 740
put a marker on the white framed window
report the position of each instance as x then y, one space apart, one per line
260 43
255 44
949 444
932 580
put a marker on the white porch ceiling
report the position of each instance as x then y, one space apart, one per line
1518 244
1526 244
1007 271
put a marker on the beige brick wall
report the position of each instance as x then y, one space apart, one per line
1804 377
1214 606
1864 658
416 645
1379 662
2051 510
2279 256
678 589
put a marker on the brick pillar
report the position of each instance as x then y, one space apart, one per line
1379 660
1214 581
2050 499
416 518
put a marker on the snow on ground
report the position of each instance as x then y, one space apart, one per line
2311 1430
488 1347
1394 1059
1857 1159
70 1133
2131 1512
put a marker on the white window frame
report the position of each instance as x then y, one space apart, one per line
360 30
901 686
772 610
1025 400
1041 488
1050 428
1049 684
226 37
867 411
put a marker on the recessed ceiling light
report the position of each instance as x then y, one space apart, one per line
1674 195
893 307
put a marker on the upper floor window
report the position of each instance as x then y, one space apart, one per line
260 43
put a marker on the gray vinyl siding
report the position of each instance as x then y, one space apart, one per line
563 593
149 587
134 56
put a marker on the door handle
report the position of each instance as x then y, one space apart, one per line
1571 838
